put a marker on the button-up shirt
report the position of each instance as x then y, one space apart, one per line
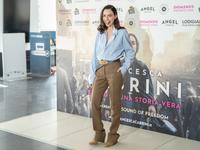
112 50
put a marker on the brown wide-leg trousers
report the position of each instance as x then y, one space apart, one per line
107 76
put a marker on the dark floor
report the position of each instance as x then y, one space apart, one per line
26 97
9 141
22 98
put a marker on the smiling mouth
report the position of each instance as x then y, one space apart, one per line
107 22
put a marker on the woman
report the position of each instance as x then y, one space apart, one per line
112 41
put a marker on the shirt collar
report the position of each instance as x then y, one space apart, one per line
114 31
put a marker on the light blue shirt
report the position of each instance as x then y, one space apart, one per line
112 50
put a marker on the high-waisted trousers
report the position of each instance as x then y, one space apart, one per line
107 76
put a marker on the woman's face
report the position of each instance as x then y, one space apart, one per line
109 17
133 41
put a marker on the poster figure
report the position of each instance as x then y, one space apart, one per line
194 130
75 93
187 108
134 89
135 83
173 114
64 96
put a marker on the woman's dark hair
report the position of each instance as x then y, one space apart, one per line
102 27
137 42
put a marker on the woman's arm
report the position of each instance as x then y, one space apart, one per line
94 62
129 53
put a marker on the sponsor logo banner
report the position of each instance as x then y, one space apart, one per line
81 23
95 23
167 55
164 9
190 22
64 11
69 23
147 9
76 12
183 8
148 22
89 11
170 22
131 10
131 23
119 9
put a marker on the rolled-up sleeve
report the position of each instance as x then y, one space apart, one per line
94 62
129 53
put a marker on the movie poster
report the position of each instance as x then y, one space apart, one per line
161 90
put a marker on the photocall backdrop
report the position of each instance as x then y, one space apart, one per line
161 87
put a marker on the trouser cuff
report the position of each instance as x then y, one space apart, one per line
100 136
113 137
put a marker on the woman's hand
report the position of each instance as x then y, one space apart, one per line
119 71
91 85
